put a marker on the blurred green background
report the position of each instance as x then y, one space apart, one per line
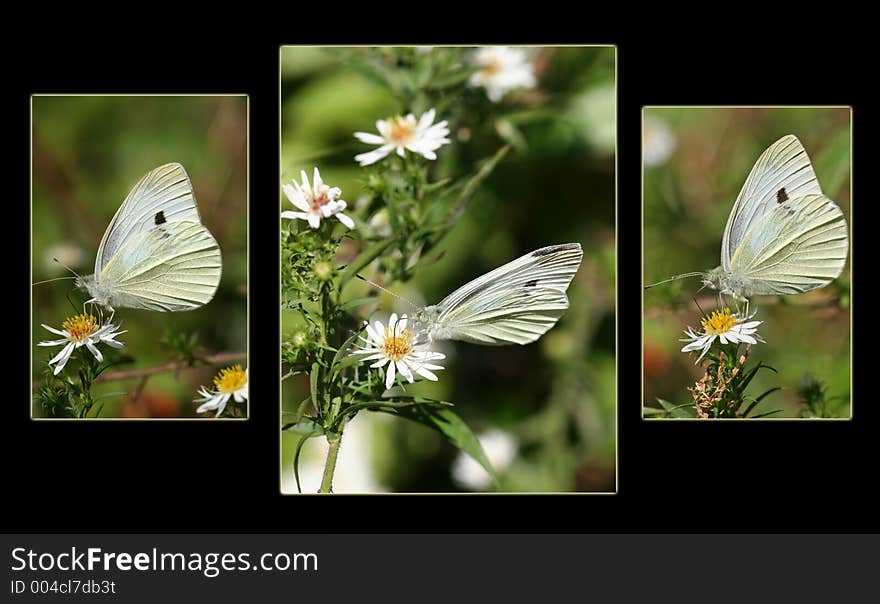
88 151
553 401
696 160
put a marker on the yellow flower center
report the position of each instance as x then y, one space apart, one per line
401 129
397 345
719 322
80 327
230 379
490 69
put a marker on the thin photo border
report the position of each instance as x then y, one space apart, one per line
851 266
30 397
614 280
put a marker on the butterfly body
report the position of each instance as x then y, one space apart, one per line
156 254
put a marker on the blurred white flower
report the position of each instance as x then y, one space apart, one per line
501 69
81 330
393 347
403 132
380 224
594 111
316 201
658 141
66 254
231 382
724 326
354 472
499 446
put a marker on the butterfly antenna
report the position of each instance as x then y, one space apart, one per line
675 278
387 291
76 275
702 312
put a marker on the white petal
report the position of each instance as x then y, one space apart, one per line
52 342
295 215
427 119
317 181
370 139
296 198
55 331
314 220
403 368
389 375
365 159
95 351
62 358
380 363
345 220
422 370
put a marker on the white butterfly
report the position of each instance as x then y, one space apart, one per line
514 304
783 235
156 254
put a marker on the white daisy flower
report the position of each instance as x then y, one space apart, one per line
501 69
403 132
231 382
81 330
499 446
393 347
724 326
658 141
316 201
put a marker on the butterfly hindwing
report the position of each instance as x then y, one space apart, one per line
173 266
799 245
513 304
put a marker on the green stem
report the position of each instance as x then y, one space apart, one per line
330 464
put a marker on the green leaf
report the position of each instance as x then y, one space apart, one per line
365 257
444 420
676 410
355 302
340 354
304 428
299 446
758 400
750 374
313 385
767 413
453 78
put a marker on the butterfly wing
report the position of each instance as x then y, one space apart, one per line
513 304
782 172
171 267
163 195
799 245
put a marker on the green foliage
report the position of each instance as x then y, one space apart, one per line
721 392
67 396
813 393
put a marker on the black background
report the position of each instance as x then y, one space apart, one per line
223 476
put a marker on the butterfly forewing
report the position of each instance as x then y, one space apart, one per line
783 172
163 195
799 245
513 304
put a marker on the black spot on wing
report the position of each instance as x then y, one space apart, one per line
550 249
531 283
159 218
781 196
